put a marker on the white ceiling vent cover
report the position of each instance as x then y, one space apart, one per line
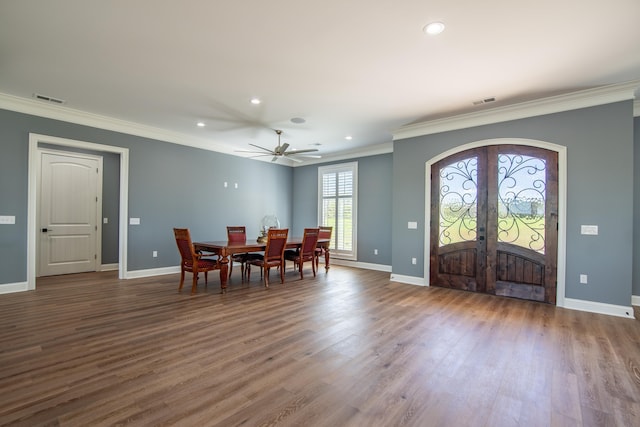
48 98
484 101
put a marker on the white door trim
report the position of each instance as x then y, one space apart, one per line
562 202
32 203
98 222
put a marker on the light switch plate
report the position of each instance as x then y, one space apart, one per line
134 221
412 225
591 230
7 219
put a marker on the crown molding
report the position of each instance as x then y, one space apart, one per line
555 104
70 115
373 150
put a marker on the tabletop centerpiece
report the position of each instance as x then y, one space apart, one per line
267 222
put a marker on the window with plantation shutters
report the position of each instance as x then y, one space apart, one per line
337 193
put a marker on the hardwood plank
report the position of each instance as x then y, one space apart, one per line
347 348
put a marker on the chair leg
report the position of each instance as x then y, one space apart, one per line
181 279
230 265
300 264
282 274
195 283
266 276
313 267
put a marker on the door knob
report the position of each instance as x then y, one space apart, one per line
44 230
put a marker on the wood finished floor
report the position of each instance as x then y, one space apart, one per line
349 348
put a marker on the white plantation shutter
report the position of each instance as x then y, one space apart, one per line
337 206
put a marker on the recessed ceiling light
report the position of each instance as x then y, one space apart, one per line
348 137
434 28
255 101
200 124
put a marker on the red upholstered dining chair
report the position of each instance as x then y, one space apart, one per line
325 233
238 234
273 254
192 261
307 251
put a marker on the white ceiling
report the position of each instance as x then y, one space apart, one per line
348 67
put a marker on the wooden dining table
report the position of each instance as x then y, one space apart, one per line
225 249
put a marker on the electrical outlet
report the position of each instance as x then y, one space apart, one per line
584 279
375 252
155 254
105 220
414 261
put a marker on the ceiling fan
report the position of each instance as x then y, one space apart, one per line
281 151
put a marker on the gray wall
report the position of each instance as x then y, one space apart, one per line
599 143
169 185
374 204
636 207
600 148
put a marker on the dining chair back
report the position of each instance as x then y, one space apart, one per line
324 233
307 250
237 234
273 254
192 261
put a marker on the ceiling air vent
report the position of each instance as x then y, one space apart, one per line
484 101
48 98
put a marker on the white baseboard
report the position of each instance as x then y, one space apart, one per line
9 288
152 272
635 300
411 280
599 307
363 265
109 267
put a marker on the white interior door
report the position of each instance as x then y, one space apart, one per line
68 213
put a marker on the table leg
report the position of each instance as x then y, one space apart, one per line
326 259
224 273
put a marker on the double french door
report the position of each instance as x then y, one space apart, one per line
494 219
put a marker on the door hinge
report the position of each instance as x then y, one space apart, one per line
96 228
95 256
96 199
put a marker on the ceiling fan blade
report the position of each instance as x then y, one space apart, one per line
275 159
282 148
262 148
254 152
308 156
308 150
